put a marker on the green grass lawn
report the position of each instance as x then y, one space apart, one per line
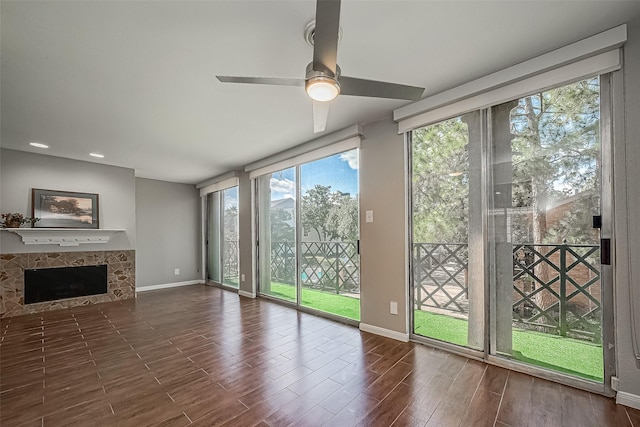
339 305
550 351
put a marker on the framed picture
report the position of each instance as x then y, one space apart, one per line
64 209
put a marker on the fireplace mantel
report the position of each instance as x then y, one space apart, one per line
63 236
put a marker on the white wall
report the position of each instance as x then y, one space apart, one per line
21 171
168 232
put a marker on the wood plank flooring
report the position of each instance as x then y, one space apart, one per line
203 356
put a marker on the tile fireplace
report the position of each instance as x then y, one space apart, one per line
120 279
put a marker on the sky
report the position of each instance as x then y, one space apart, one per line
339 171
231 197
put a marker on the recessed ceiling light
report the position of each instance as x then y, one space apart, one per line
38 144
100 156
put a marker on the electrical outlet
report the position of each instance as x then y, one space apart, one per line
393 307
242 277
176 271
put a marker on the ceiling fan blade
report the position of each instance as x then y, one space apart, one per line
375 89
262 80
325 39
320 115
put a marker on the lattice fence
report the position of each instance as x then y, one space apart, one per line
439 273
556 288
327 266
230 260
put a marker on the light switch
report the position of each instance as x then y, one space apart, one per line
368 217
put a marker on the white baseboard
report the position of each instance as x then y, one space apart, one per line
384 332
169 285
628 399
246 294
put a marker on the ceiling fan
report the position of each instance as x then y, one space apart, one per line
323 80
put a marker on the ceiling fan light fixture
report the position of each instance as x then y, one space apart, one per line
322 89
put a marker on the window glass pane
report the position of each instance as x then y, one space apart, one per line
230 237
214 270
447 288
545 170
277 234
329 264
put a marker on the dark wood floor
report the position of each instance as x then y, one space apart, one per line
202 356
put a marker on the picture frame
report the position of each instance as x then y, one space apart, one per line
64 209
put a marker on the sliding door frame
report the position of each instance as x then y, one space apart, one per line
221 241
299 230
608 88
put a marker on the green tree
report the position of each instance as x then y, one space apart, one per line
281 231
333 215
440 182
556 154
342 219
316 203
231 223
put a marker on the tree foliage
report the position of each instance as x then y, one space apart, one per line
333 215
315 209
281 230
555 149
231 223
342 219
66 205
556 159
440 182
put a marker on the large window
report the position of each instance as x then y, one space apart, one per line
503 205
308 235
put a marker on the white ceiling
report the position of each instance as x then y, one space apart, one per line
136 80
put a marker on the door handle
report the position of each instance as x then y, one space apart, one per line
597 221
605 251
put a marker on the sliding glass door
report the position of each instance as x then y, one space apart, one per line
505 210
447 277
222 237
214 241
329 259
277 254
546 172
308 235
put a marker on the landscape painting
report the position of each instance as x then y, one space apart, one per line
64 209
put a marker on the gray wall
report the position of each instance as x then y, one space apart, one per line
627 205
21 171
244 233
383 242
168 232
